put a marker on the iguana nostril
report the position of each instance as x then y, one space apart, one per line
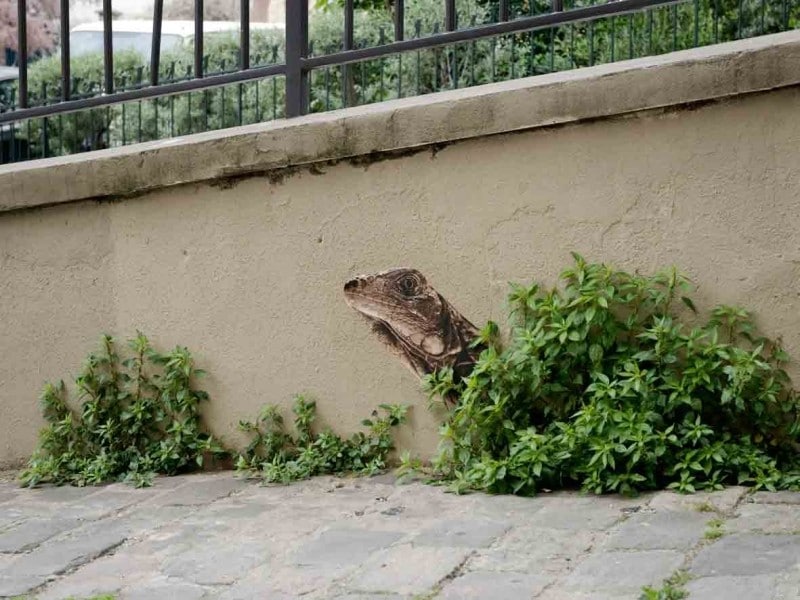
352 284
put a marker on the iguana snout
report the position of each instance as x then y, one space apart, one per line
402 299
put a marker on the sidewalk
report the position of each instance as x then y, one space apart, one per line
212 536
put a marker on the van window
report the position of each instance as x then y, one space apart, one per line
84 42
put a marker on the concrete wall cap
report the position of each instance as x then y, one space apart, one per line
672 80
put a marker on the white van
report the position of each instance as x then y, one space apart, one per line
138 35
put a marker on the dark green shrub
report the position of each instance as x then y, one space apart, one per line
276 456
605 384
138 417
82 130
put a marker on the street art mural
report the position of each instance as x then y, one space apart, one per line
414 321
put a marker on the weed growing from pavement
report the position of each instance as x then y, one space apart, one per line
714 529
136 417
672 588
276 456
705 507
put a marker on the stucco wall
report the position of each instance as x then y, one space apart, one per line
249 273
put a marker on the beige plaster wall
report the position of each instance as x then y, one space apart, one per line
249 275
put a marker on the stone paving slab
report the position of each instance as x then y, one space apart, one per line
755 587
748 554
659 530
766 518
215 537
407 569
622 572
493 584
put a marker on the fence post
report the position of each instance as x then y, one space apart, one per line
22 53
296 51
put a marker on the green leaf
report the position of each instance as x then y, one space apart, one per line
595 353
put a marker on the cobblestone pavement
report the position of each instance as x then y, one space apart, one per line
213 536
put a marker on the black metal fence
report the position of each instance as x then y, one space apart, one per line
31 120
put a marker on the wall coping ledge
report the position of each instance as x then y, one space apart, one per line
677 79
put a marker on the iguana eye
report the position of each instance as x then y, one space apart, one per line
408 285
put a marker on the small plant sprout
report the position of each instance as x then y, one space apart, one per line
672 588
714 529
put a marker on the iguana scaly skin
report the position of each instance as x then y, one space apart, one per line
415 321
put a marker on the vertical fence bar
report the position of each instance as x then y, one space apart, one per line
348 24
382 41
348 84
198 38
436 60
45 139
613 23
296 51
557 5
630 35
450 21
327 88
139 76
274 85
503 10
65 74
155 48
417 31
531 44
513 63
472 23
493 59
674 27
22 52
125 116
45 132
108 49
172 102
739 21
244 35
399 20
244 48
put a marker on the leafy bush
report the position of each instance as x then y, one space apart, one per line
605 384
138 417
276 456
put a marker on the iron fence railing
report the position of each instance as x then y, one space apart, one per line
299 61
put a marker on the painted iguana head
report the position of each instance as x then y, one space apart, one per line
414 321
